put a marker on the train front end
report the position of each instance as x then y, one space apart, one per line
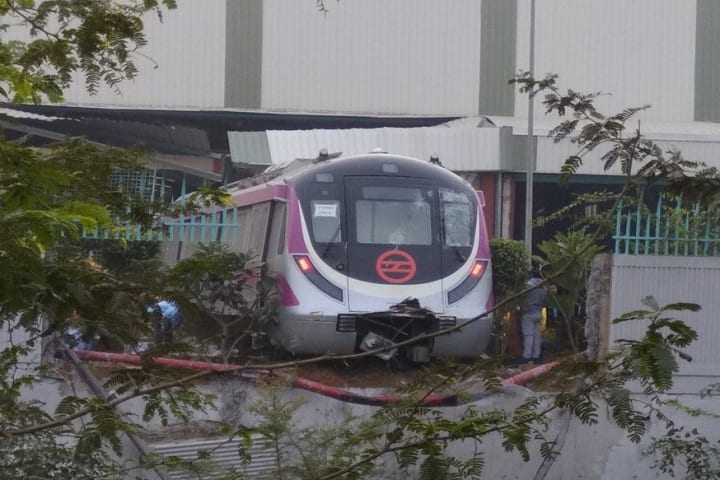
382 249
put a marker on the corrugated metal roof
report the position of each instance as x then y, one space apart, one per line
463 146
551 155
223 454
249 148
655 130
458 149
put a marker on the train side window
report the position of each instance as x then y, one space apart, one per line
277 231
238 237
326 224
258 229
458 218
281 235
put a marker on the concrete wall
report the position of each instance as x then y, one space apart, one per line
670 280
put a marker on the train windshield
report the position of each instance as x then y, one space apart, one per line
458 217
394 215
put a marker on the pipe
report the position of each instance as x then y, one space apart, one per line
439 400
132 359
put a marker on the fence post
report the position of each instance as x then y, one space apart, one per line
597 306
618 227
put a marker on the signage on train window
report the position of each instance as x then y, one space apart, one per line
395 266
325 210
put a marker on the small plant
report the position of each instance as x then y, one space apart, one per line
226 299
567 258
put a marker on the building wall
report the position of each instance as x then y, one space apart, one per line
425 57
243 53
637 52
707 61
405 56
189 49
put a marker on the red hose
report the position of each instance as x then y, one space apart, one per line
131 359
440 400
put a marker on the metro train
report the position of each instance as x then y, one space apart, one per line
371 250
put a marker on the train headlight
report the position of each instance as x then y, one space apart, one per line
305 265
476 273
478 269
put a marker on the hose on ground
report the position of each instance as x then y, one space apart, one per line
344 395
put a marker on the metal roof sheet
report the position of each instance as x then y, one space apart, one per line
223 454
249 148
458 149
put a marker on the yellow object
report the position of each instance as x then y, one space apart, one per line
543 320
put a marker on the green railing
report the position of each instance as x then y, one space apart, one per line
216 224
671 228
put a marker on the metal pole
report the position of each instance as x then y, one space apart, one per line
530 167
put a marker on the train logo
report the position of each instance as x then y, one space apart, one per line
395 266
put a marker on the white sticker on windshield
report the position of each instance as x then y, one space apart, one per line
325 210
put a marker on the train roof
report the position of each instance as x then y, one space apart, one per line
365 164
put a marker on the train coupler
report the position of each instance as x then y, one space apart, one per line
402 322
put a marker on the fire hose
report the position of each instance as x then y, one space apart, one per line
344 395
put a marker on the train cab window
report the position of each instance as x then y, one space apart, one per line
458 218
394 215
326 224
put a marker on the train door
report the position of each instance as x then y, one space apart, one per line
393 242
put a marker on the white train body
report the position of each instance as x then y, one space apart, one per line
349 238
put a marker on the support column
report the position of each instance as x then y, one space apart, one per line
597 306
507 208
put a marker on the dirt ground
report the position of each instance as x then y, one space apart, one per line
364 373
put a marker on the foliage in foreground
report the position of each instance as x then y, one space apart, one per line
43 457
45 199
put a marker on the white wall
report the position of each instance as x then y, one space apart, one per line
638 52
189 48
372 56
672 279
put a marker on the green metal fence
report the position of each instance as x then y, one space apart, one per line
215 224
671 228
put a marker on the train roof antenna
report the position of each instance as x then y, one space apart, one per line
323 155
435 159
